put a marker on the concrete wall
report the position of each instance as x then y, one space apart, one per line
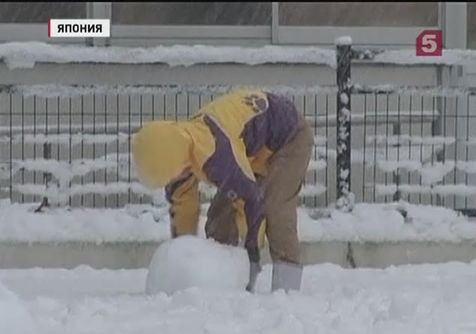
130 255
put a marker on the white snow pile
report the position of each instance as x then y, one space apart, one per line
343 40
190 261
142 223
14 317
27 54
387 222
19 222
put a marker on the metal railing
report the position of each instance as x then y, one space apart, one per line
75 149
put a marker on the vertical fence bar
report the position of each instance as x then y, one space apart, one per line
22 142
364 160
433 134
315 147
397 131
410 132
11 147
455 174
188 106
46 151
94 146
153 107
302 200
468 120
164 106
445 102
140 121
437 125
105 149
327 150
34 145
70 143
58 121
58 145
387 132
46 156
176 106
375 151
200 194
344 55
82 142
118 149
421 146
129 120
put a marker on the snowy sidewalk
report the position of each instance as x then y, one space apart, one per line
420 299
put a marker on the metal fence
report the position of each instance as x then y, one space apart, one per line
422 151
71 145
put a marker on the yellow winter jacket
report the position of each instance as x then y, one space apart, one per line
233 137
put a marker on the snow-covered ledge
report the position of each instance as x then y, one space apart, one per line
393 222
373 235
37 63
27 54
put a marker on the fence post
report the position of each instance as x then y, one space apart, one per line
10 148
345 199
437 124
46 176
397 131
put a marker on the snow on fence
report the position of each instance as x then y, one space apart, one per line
75 149
87 138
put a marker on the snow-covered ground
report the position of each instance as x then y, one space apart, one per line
437 298
368 222
14 318
408 299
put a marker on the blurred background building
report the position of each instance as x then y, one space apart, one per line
247 23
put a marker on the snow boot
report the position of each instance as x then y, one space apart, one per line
286 275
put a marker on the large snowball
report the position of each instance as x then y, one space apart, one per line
190 261
14 318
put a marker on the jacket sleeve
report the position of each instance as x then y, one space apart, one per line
229 169
183 196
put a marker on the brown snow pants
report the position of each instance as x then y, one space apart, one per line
286 172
